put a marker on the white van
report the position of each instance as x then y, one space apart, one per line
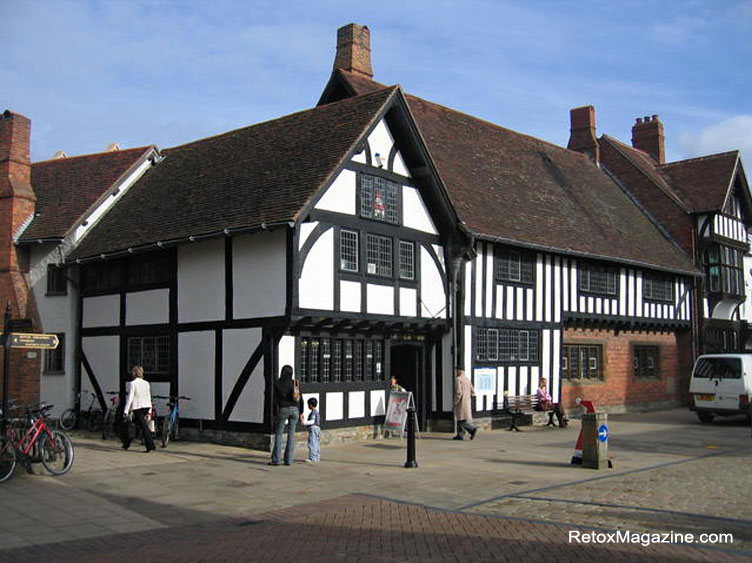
721 385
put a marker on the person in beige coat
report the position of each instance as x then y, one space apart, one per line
463 410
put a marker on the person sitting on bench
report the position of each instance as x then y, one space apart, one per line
545 403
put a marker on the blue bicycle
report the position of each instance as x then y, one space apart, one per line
171 421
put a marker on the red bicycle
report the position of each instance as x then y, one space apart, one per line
32 442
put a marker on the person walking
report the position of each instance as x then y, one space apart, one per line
463 410
313 423
287 410
138 402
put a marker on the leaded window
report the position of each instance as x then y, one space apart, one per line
582 361
152 353
598 280
506 345
379 198
645 361
54 360
57 280
406 260
514 266
658 288
379 255
333 360
348 250
725 270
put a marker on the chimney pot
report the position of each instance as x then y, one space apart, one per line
647 136
638 120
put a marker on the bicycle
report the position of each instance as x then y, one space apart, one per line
34 441
69 418
171 421
111 418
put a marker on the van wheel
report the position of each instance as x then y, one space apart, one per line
705 417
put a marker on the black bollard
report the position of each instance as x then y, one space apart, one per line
411 439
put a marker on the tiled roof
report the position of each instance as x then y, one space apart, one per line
703 183
510 186
265 173
66 188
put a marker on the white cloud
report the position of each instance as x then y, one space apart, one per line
731 134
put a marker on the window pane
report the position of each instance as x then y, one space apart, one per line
379 255
407 260
326 359
379 198
337 362
313 368
348 250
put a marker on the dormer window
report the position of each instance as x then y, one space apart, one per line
598 281
379 199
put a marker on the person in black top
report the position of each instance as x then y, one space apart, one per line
288 411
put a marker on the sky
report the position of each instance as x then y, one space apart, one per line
140 72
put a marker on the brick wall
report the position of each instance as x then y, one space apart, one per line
619 385
24 369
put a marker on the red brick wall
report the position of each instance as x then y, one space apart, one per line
619 386
23 375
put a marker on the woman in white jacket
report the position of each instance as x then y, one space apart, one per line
139 403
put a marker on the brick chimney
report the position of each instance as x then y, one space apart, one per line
582 132
17 203
647 135
354 50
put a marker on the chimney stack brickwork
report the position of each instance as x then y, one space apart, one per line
647 136
17 204
582 136
354 50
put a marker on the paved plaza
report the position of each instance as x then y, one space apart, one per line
504 496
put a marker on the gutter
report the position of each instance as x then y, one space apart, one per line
227 232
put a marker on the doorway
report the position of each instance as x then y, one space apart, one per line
407 364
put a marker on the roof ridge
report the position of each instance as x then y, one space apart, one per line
700 158
89 155
667 189
279 119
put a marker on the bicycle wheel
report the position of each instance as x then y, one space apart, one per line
57 453
95 420
165 431
7 458
68 419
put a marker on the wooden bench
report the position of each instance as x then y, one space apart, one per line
517 406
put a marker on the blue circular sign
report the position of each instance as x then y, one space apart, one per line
603 433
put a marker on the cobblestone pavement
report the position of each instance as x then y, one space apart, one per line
502 496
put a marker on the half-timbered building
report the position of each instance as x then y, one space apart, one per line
703 203
571 280
319 240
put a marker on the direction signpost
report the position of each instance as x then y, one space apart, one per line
20 340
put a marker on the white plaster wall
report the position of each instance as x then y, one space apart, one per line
286 352
259 275
408 302
349 296
334 406
433 298
380 299
316 283
380 140
415 213
746 309
378 402
58 315
147 307
340 196
103 353
356 404
201 281
238 346
196 373
305 231
398 167
103 310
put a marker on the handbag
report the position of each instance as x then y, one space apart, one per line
128 429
